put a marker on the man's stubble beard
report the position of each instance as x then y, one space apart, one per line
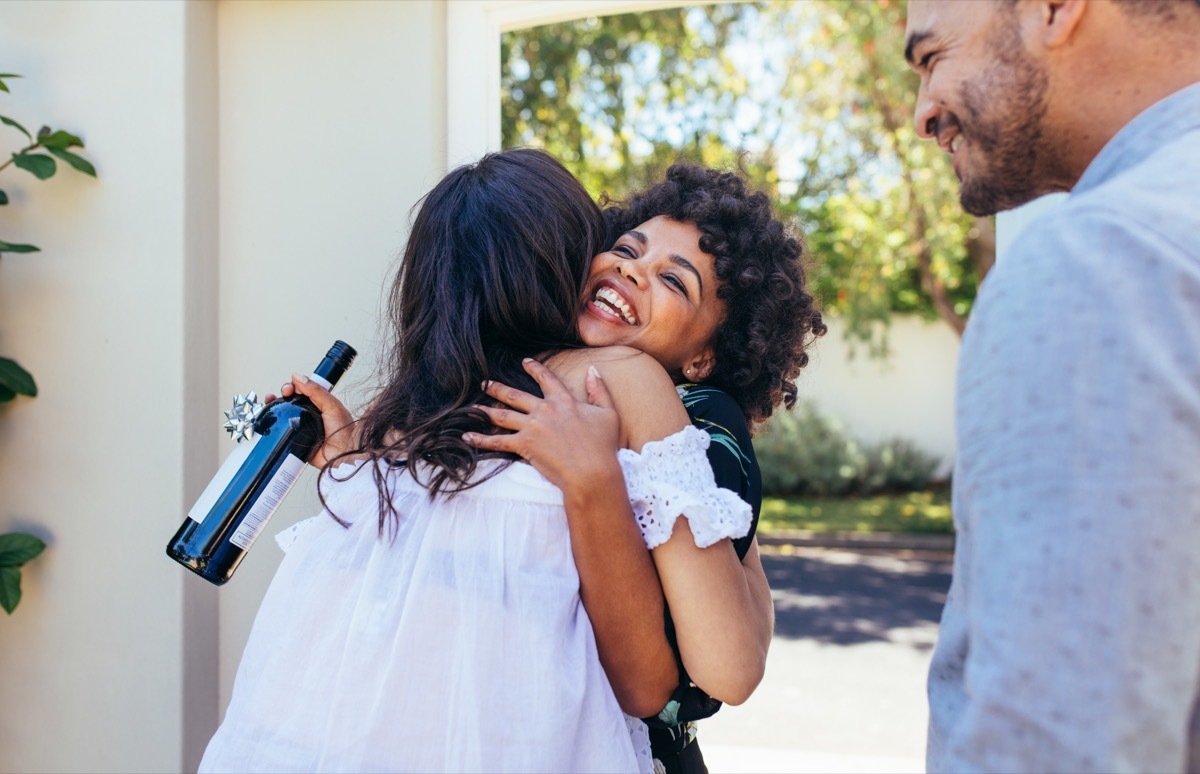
1005 110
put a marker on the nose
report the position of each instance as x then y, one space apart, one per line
925 118
629 270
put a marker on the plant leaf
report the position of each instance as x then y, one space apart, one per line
10 588
3 198
78 162
17 548
12 123
6 394
3 85
60 139
10 247
41 167
16 378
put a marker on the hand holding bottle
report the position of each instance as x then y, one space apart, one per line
249 486
338 421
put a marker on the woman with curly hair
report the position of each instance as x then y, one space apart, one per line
703 278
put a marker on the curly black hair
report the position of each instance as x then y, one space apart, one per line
771 319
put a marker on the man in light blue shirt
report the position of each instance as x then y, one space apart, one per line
1071 636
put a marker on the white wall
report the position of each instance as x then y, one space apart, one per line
332 126
95 463
910 394
257 164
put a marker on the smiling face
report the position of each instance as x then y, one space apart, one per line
983 98
656 291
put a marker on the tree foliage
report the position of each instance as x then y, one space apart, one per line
812 99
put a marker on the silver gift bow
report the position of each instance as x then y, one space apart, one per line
240 418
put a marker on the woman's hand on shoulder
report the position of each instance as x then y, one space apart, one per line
570 442
642 394
573 443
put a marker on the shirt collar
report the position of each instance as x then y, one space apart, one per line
1154 127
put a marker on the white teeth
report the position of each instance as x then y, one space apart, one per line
612 299
955 143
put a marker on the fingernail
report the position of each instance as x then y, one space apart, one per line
592 371
527 360
468 437
484 385
300 378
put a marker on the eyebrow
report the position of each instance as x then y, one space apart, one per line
678 260
914 40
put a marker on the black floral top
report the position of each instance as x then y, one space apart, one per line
735 468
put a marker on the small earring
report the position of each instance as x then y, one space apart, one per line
688 372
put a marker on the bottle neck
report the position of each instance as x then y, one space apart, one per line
334 364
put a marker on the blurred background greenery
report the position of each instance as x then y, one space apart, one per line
813 100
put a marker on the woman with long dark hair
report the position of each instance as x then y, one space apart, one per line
430 618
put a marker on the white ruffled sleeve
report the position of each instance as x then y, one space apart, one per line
672 478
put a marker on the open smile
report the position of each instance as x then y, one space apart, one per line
609 302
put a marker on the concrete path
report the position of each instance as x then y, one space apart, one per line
845 683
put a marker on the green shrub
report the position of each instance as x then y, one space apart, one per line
805 452
898 465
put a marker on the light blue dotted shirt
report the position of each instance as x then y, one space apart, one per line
1071 636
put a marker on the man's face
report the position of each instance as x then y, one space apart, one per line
982 97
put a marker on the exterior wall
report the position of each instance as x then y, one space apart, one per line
908 395
95 463
257 164
328 137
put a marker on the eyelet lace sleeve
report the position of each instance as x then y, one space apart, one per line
672 478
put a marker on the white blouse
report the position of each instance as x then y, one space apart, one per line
459 645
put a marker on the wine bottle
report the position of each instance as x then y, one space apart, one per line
250 485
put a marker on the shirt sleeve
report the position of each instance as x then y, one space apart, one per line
1076 618
671 478
730 453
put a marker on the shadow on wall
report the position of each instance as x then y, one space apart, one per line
849 598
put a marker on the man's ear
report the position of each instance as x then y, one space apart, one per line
700 366
1059 20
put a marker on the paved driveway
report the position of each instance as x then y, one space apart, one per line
845 683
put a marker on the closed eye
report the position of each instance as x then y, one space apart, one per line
625 250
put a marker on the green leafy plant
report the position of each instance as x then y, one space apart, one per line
805 452
39 157
16 548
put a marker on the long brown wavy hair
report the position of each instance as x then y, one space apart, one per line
492 273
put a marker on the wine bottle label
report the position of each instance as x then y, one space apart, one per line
229 468
268 502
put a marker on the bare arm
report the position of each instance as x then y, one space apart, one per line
722 611
574 445
722 607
